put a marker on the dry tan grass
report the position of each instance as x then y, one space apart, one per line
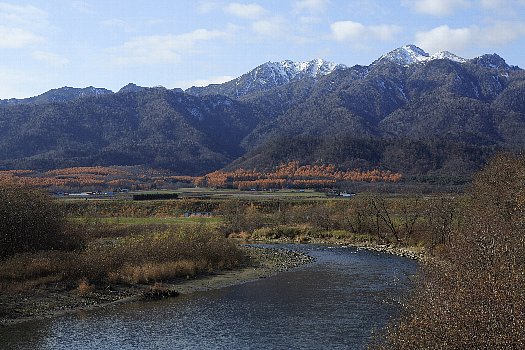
147 258
153 272
26 267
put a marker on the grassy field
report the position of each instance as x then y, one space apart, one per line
155 220
196 192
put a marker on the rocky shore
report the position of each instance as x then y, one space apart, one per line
57 299
415 253
411 252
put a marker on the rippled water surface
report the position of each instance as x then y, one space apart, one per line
333 303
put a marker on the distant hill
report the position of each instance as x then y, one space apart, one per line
408 111
64 94
156 127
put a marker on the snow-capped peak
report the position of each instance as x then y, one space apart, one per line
411 54
406 55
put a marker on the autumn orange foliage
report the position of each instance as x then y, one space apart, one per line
77 177
292 175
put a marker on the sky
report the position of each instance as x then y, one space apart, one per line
46 44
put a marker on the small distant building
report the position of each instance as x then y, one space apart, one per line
344 194
203 214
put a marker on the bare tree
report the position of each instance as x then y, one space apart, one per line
473 297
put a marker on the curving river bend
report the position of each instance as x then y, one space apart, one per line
333 303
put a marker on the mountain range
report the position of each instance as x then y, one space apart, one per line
407 111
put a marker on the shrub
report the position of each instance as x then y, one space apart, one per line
474 296
30 221
283 232
176 252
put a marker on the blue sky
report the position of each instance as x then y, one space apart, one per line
109 43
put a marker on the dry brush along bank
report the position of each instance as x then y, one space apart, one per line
49 298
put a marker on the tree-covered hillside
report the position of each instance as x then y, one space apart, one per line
436 115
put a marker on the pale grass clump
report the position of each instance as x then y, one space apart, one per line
84 288
152 272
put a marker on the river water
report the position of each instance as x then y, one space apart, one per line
333 303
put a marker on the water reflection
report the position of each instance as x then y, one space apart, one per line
333 303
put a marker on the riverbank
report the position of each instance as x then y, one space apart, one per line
57 299
414 253
417 253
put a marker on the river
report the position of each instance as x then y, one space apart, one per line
334 303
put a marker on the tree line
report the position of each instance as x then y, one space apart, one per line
292 175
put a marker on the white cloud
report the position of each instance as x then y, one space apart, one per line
436 7
309 20
384 32
501 4
51 58
19 25
206 6
313 6
248 11
25 15
347 30
153 22
461 39
310 12
83 7
205 82
156 49
502 33
272 27
493 4
368 8
355 31
18 84
445 38
505 7
147 50
119 24
14 38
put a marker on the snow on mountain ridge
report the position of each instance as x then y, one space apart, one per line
411 54
290 70
273 74
445 55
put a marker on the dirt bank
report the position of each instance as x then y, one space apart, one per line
57 299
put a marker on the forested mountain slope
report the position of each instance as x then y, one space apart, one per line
408 111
